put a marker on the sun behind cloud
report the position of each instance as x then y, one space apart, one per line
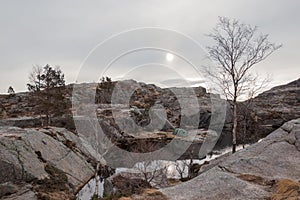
169 57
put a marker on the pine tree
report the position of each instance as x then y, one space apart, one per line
11 90
47 85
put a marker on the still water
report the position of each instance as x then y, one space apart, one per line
171 167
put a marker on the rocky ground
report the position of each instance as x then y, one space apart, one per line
54 163
269 169
268 111
19 109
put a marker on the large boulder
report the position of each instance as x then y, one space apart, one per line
252 173
46 163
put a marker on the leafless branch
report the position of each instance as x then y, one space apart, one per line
237 49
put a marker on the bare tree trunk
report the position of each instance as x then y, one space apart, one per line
235 123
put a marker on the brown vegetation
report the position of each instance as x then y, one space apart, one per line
286 189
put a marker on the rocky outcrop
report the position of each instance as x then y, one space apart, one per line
277 106
47 163
257 172
143 96
269 110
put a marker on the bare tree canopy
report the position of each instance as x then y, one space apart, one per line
238 47
45 78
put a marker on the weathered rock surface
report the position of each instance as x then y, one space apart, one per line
270 109
20 193
251 173
48 163
19 109
277 106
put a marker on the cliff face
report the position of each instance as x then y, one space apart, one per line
268 169
277 106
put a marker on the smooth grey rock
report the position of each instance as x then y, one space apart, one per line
215 184
23 192
62 157
22 195
271 159
18 159
24 153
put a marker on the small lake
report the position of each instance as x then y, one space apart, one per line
171 172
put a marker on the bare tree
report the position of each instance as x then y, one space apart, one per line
181 167
154 172
35 78
237 49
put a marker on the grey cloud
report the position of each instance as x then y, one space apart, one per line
63 32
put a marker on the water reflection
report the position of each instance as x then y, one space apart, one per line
175 170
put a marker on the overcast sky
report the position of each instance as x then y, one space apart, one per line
63 33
